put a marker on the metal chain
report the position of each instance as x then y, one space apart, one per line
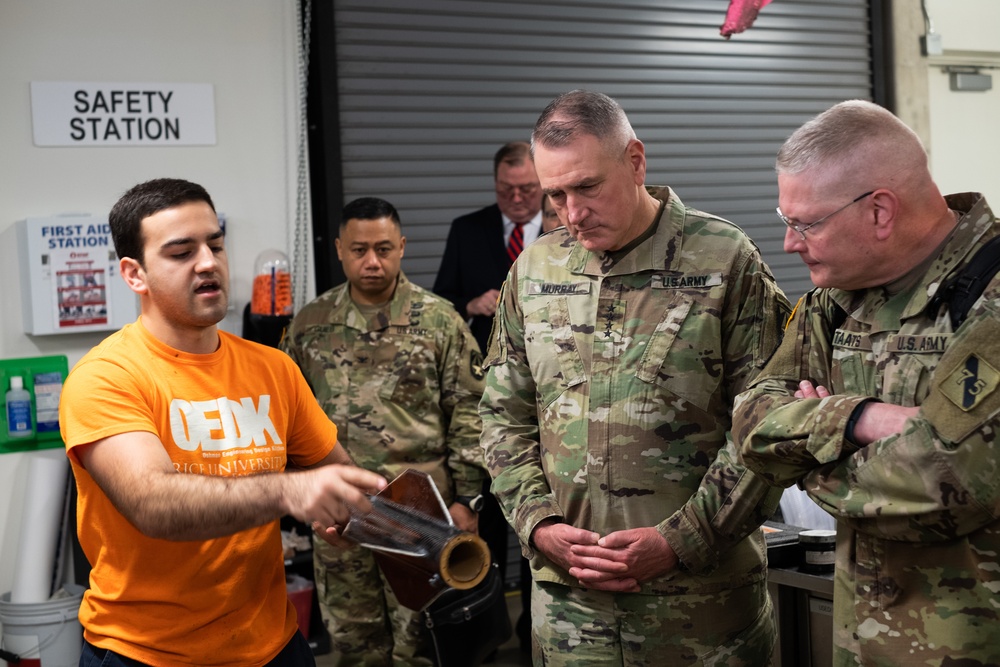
303 226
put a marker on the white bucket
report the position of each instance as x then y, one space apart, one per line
43 634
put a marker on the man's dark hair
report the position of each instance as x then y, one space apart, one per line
369 208
144 200
514 153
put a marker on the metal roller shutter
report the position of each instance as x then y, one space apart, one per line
429 89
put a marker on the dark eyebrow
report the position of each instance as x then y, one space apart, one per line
374 244
177 242
585 183
188 240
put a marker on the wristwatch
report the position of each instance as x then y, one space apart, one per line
474 503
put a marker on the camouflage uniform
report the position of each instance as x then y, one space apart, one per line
402 385
918 571
607 405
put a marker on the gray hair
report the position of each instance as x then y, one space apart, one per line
855 135
582 112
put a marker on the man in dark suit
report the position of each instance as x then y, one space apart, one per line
476 257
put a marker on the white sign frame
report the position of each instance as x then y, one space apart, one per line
65 113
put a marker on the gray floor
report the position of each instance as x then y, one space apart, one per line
509 654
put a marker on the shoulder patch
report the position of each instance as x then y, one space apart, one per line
476 365
971 382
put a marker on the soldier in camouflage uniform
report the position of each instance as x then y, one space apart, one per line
619 345
875 405
398 371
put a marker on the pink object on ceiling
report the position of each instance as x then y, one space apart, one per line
741 15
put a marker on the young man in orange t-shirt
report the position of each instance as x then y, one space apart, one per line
171 426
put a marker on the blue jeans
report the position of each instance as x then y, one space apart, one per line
295 654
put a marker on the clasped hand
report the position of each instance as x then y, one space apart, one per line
485 304
618 562
878 420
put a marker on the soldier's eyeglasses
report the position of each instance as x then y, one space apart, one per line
801 228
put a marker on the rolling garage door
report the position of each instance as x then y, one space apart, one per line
427 91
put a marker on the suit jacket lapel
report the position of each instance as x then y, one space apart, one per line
497 247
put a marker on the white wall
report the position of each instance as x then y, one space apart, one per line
965 139
245 48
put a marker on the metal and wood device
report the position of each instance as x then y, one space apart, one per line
415 542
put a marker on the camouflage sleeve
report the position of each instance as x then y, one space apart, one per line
288 345
731 501
782 438
938 479
461 388
753 324
510 437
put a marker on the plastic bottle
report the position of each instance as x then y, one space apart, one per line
19 423
272 285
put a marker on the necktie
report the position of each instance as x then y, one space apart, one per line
516 242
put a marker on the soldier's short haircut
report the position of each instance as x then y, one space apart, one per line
582 112
369 208
513 153
849 132
143 200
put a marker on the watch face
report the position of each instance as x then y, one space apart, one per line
474 503
477 503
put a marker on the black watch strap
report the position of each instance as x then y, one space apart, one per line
474 503
852 421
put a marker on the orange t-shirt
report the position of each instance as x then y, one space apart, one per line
245 409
